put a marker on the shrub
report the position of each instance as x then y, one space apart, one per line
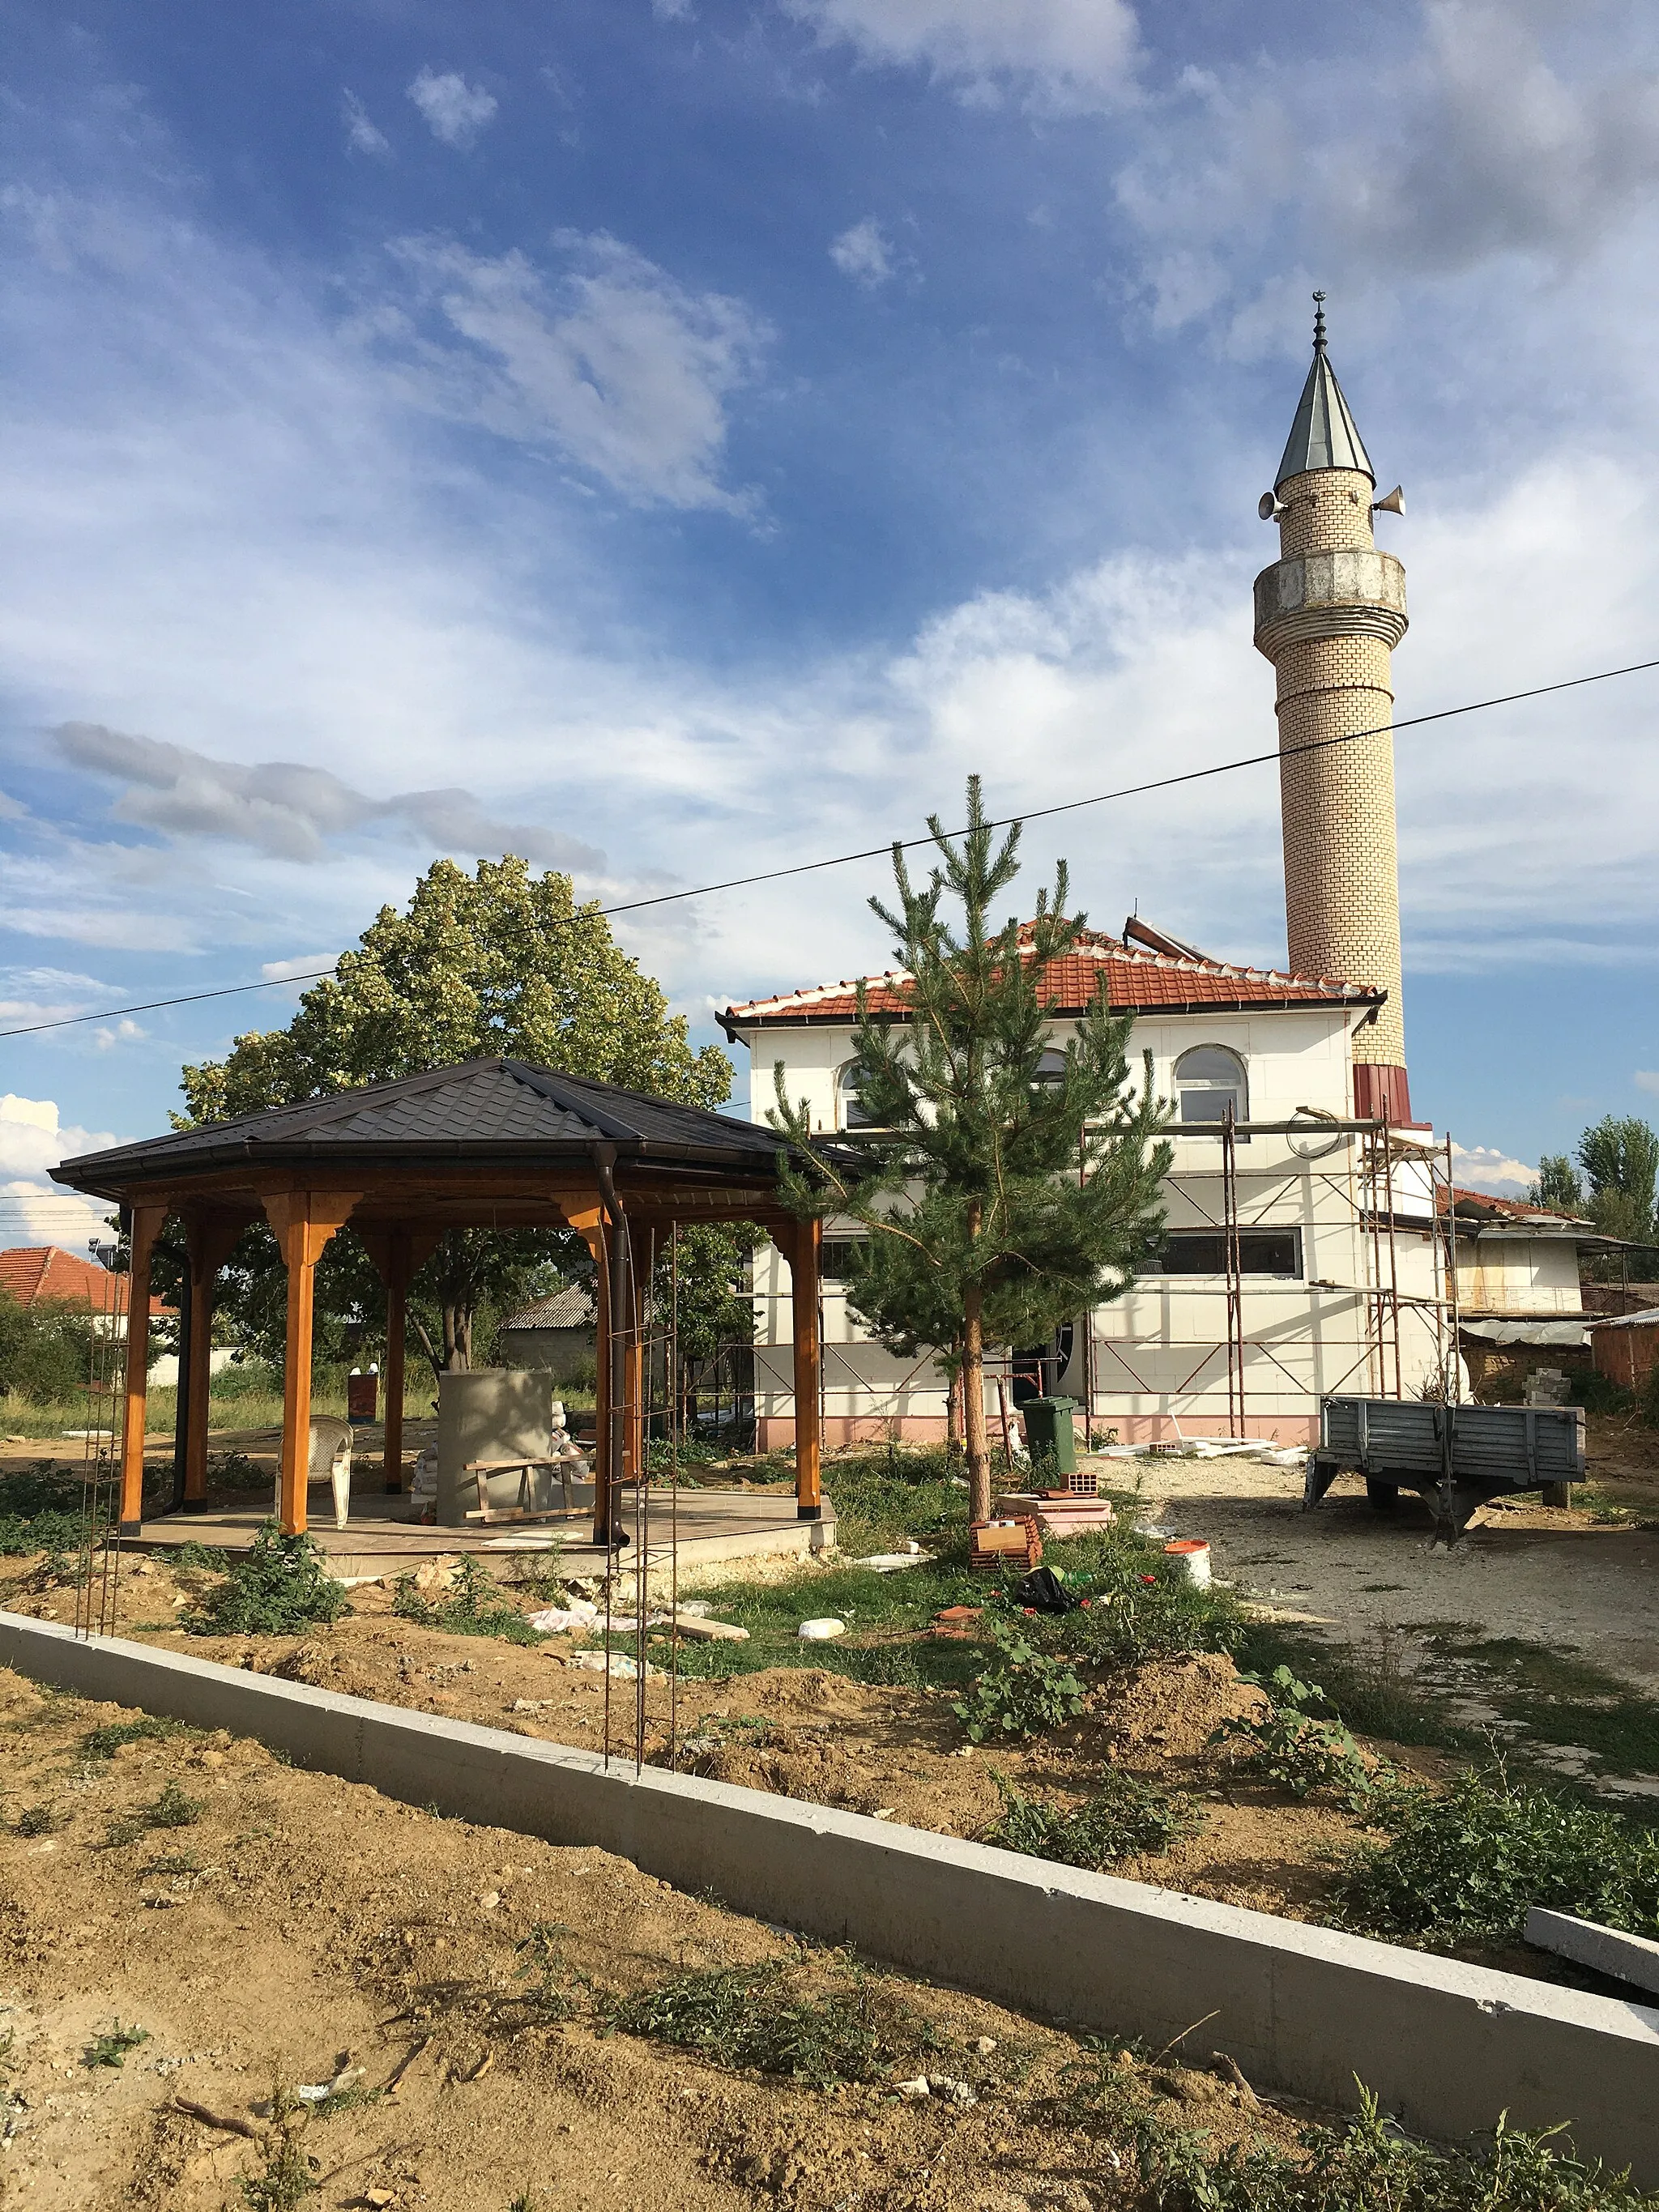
1124 1819
1290 1745
278 1588
1598 1392
41 1510
1465 1866
473 1605
1022 1694
45 1350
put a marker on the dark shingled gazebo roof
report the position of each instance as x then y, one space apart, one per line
484 1110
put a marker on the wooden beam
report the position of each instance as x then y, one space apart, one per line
802 1246
147 1222
304 1221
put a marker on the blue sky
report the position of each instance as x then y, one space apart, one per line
673 440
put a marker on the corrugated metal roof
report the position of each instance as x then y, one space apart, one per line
570 1307
1137 981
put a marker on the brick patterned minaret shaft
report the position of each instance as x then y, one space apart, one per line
1329 614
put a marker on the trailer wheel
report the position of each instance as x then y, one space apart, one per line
1384 1496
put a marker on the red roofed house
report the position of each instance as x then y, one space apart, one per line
43 1274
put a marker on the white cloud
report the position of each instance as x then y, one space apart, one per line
32 1209
363 136
1487 138
1072 55
864 252
291 811
1481 1167
123 1032
308 965
455 110
617 364
1647 1079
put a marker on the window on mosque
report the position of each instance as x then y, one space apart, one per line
1209 1080
838 1255
1051 1068
1204 1252
852 1115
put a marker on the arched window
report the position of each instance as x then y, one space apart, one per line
852 1115
1051 1068
1209 1080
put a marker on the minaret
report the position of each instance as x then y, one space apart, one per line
1329 614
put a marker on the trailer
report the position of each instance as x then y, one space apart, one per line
1456 1456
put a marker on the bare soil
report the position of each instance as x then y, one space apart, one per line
299 1926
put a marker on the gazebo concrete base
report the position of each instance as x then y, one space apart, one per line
380 1538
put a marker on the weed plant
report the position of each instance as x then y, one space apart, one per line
103 1742
473 1605
1365 2163
1294 1746
759 2018
41 1819
172 1810
287 2181
39 1510
278 1588
1024 1692
1124 1819
110 2047
1464 1866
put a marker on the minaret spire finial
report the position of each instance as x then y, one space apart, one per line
1319 322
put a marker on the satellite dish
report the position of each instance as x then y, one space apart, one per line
1395 503
1270 505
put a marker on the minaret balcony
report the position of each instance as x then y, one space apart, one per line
1353 592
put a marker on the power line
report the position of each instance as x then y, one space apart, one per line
902 844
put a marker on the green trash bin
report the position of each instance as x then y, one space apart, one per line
1049 1437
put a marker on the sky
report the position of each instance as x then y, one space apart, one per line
674 441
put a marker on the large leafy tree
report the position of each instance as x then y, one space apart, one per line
1621 1160
499 961
1002 1192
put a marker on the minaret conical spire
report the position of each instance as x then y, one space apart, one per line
1324 435
1329 614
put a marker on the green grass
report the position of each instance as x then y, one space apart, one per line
1139 1606
104 1741
41 1510
1558 1698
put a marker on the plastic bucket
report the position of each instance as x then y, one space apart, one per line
1192 1555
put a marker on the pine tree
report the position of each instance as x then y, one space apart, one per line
1003 1193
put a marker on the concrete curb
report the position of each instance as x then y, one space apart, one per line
1445 2046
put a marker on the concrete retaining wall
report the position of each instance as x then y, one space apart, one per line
1446 2046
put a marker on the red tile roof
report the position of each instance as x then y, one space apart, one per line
31 1272
1138 981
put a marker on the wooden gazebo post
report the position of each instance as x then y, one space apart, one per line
209 1238
147 1222
801 1244
304 1221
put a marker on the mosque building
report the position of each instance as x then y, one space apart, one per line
1315 1243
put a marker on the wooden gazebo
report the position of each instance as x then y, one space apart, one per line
490 1144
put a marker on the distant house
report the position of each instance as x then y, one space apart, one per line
1521 1303
556 1332
43 1274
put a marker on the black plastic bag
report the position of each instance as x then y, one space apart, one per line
1043 1592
